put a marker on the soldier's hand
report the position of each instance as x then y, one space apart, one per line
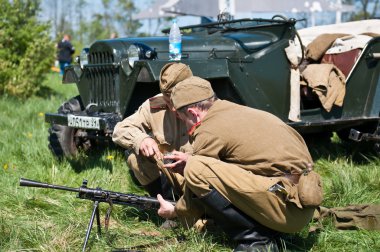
178 163
166 209
149 148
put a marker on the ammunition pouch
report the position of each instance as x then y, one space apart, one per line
310 190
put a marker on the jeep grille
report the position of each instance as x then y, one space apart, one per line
102 82
100 57
101 77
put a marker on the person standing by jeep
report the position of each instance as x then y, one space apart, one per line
152 131
244 170
65 52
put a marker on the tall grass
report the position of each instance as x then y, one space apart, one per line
34 219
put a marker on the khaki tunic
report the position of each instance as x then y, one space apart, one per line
242 152
152 119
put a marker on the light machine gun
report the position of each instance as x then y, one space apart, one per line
98 195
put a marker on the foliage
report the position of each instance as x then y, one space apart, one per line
35 219
72 17
26 51
368 10
124 17
100 26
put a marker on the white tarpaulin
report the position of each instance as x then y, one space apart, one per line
354 28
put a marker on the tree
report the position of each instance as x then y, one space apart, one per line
100 25
365 13
125 19
80 6
26 50
374 10
62 15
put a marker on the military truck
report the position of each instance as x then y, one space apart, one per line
245 61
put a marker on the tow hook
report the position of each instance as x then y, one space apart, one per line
359 136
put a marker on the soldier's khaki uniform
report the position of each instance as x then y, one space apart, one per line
242 152
153 119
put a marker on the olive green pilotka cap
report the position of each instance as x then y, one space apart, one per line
171 74
191 90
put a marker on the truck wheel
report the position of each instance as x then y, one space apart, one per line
62 140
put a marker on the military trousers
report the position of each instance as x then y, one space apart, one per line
280 211
144 169
147 170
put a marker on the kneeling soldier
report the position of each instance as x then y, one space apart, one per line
244 169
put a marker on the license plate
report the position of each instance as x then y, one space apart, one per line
84 122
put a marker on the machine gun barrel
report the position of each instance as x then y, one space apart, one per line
33 183
97 194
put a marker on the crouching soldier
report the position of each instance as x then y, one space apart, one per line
152 131
246 169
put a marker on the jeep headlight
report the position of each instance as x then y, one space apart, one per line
133 54
83 58
138 51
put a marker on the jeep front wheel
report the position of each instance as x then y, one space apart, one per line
63 140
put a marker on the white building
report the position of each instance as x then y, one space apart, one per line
312 12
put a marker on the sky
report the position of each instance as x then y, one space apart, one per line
93 6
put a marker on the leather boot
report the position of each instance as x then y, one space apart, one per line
154 188
160 186
249 234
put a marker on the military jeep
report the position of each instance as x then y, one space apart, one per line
244 60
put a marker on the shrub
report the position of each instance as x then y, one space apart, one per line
26 51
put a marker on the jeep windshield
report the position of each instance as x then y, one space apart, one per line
234 25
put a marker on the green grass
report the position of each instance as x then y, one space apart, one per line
34 219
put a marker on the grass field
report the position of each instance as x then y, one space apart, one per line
33 219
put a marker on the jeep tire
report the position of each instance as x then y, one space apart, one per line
61 138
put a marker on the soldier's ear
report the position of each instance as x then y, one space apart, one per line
190 111
193 114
